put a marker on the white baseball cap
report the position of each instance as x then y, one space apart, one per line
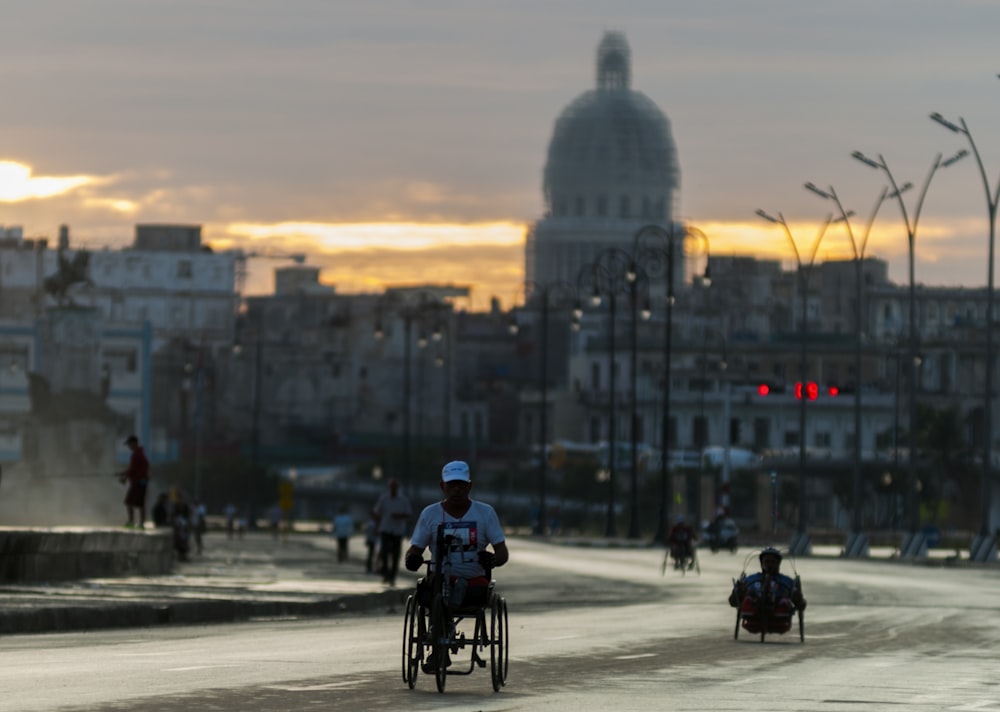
455 470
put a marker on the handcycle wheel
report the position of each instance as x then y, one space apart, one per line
411 641
498 642
439 645
736 630
802 627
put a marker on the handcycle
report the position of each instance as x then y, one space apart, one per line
765 605
432 627
684 558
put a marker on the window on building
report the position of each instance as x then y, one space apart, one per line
595 429
14 358
580 205
121 360
700 432
623 207
602 206
595 376
761 434
8 428
822 439
791 438
184 269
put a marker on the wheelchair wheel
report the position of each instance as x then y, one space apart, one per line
439 646
499 655
412 641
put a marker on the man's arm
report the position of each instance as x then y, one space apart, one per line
414 558
501 553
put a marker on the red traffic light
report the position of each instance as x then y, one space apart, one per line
832 391
763 389
812 390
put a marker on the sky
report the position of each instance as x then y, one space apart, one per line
403 141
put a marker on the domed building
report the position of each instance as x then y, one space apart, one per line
611 169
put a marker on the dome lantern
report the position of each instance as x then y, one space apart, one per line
613 62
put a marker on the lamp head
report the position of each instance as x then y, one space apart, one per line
947 124
955 159
866 160
813 188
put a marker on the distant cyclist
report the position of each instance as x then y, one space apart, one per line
681 542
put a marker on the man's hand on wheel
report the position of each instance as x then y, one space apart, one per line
487 559
414 562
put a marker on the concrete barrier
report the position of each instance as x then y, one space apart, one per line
68 553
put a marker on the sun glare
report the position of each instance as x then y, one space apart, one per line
17 183
396 236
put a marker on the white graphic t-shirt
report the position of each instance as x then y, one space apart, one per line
464 537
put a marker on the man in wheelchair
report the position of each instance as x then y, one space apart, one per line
458 529
783 592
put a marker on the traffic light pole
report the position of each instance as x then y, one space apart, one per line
800 545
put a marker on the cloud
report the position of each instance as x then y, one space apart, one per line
17 183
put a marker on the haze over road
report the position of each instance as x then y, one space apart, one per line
590 629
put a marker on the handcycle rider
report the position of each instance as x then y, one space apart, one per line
784 591
681 543
468 526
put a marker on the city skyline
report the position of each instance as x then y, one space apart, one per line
398 142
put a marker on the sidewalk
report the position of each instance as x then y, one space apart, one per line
234 579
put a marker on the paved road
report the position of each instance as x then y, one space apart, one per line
590 629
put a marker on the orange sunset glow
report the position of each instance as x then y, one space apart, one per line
489 257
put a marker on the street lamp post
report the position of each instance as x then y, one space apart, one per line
542 296
984 546
857 542
634 276
256 404
607 276
914 543
409 313
800 543
657 258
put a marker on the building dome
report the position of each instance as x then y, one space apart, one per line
612 154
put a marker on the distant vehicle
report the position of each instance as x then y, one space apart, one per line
739 458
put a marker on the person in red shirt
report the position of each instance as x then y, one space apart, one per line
137 477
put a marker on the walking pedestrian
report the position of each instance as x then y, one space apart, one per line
137 477
371 529
343 528
392 511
